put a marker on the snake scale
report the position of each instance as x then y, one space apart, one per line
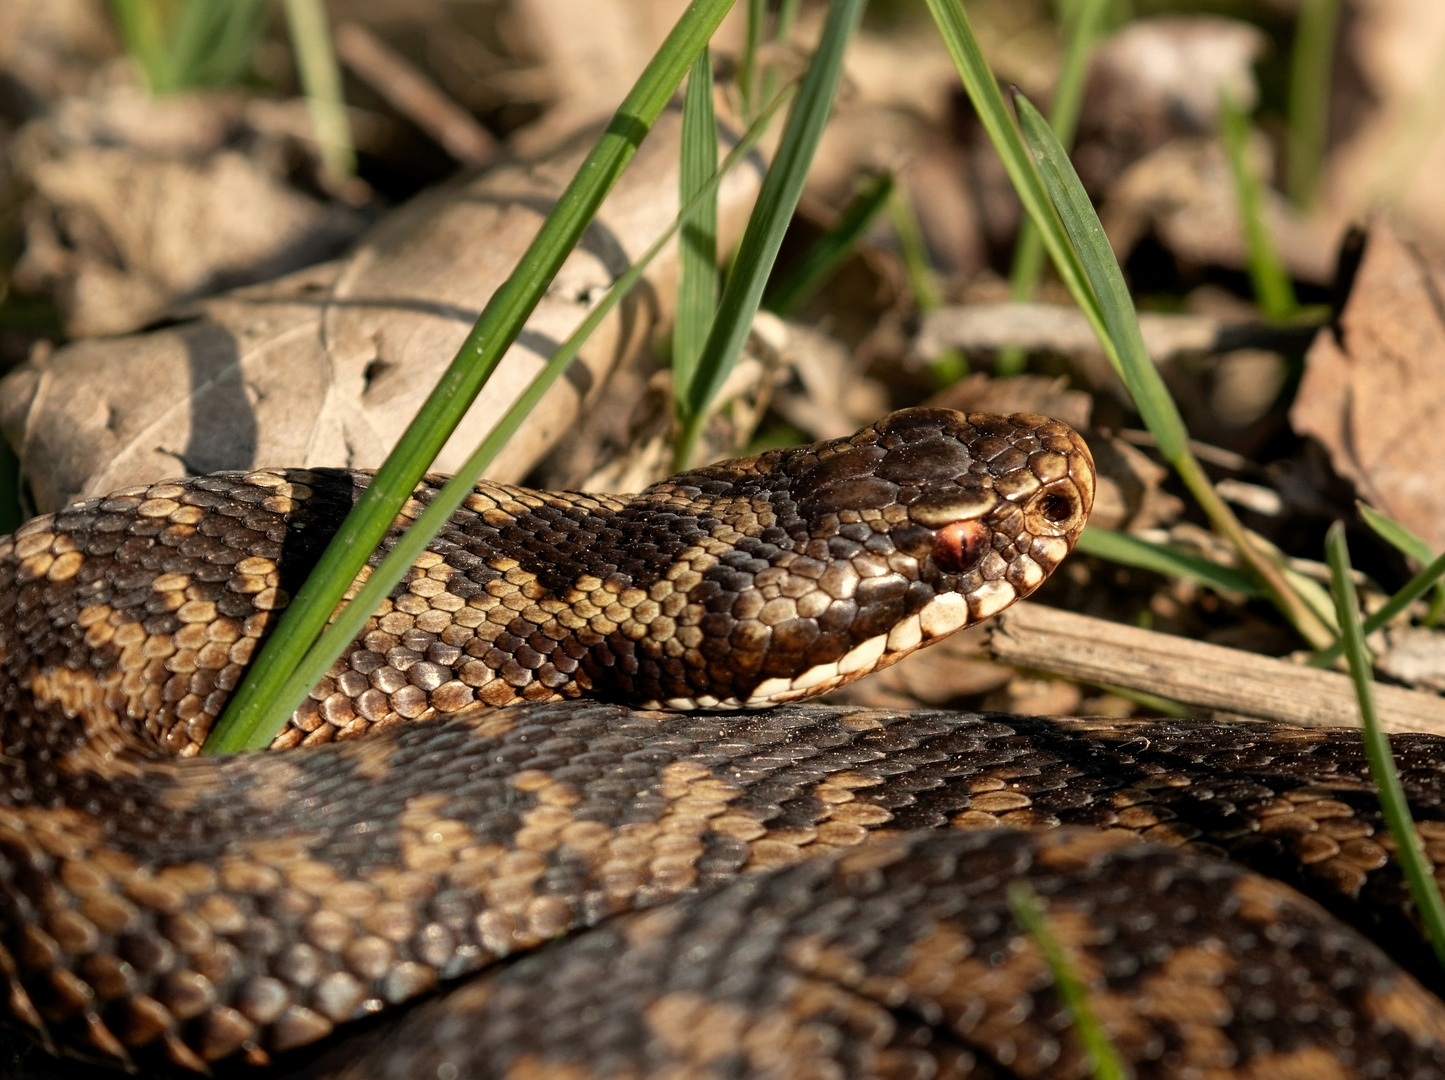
567 761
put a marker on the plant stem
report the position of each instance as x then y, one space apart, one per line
253 714
316 61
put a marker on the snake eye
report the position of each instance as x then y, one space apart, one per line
957 548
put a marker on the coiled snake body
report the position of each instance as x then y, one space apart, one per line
801 891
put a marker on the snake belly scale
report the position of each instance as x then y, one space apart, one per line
554 724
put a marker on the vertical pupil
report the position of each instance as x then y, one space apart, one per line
959 546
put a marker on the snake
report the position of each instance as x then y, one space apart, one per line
563 808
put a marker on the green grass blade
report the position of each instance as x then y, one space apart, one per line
1396 809
253 717
777 200
1137 371
1026 908
912 249
212 43
950 365
1311 61
697 284
1142 381
236 41
757 18
1116 306
144 33
321 78
1272 287
1403 540
1412 590
1399 537
191 24
1023 171
1164 559
349 622
827 253
1082 29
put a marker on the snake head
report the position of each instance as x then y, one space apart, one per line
854 552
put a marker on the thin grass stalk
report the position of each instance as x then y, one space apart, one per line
1409 544
212 43
1150 395
1311 61
192 25
253 709
349 622
1023 171
1413 589
1272 287
1082 26
783 21
321 79
1126 550
757 18
913 250
697 285
950 365
1409 848
144 34
777 200
1142 380
236 42
827 253
1105 1063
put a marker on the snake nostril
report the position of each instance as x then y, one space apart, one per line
1055 507
958 547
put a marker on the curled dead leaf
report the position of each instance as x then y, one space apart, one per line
327 367
1374 396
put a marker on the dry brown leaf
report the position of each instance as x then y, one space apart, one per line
138 202
1416 656
1020 393
328 366
1157 79
1184 194
1375 397
1393 151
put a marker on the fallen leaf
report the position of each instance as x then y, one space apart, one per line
138 202
1157 79
1374 397
1390 147
328 366
1183 194
1416 656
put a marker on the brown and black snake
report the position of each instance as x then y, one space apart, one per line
561 801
